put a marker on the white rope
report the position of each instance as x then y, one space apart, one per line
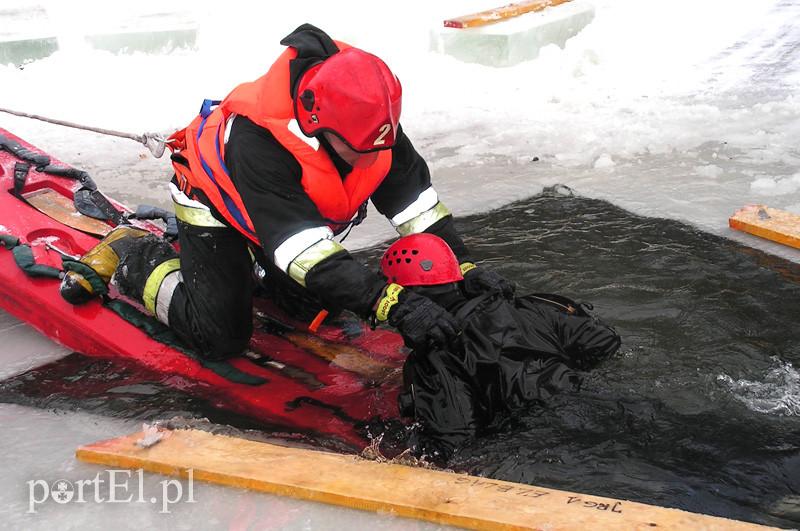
155 142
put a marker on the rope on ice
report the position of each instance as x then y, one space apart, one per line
155 142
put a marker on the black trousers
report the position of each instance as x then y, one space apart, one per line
211 310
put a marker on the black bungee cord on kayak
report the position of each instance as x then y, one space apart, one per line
88 199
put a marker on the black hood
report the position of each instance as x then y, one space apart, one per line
313 46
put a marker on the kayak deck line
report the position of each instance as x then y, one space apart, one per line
768 223
436 496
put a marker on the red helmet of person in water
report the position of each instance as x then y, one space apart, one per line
353 95
420 260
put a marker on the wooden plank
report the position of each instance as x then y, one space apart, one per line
436 496
770 223
499 14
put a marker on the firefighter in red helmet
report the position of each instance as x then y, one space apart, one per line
274 172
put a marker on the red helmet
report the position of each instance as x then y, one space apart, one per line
354 95
420 260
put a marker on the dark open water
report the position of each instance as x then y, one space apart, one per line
710 336
700 409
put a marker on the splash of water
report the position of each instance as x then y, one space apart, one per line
777 394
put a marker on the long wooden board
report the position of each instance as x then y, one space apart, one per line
436 496
499 14
770 223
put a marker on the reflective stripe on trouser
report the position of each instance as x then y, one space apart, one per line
191 211
160 287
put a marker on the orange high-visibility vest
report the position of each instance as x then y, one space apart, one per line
268 103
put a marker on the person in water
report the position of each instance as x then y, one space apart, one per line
511 351
272 173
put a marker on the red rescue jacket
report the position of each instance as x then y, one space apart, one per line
268 103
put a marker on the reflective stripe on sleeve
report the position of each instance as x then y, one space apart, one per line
315 254
425 201
423 221
295 245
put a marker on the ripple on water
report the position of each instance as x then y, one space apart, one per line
778 393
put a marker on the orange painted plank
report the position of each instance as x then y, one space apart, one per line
769 223
436 496
499 14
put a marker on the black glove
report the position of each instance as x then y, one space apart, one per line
419 320
478 280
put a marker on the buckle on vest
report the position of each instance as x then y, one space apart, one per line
205 108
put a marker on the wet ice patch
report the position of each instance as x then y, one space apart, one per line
776 185
777 394
710 171
604 161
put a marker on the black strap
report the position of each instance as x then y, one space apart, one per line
88 200
473 303
94 204
16 149
341 226
23 257
153 212
21 170
70 173
8 241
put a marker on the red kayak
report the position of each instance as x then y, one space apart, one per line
323 383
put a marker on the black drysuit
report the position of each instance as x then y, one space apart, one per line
510 353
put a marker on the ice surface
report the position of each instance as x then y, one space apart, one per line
686 110
23 347
40 445
515 40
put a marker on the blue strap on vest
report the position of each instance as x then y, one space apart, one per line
230 205
205 108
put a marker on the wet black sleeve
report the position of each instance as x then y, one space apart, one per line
268 179
342 283
407 178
